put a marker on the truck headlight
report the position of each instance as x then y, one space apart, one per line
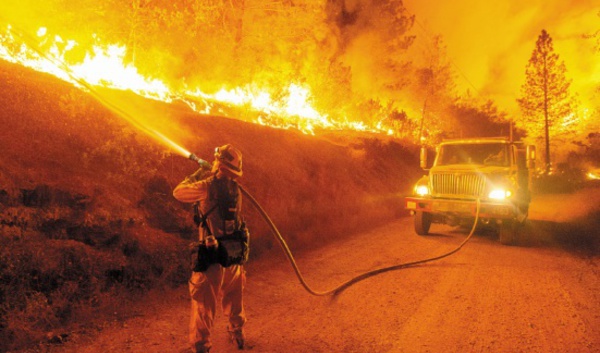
421 190
594 174
499 194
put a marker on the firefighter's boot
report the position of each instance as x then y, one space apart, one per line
236 336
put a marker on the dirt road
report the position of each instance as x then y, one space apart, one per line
485 298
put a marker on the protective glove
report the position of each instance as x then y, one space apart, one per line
204 164
202 173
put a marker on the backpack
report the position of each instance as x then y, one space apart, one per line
223 220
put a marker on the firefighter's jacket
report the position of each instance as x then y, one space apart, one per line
202 187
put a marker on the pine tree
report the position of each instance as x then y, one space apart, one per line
545 100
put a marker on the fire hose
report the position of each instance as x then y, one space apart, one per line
341 287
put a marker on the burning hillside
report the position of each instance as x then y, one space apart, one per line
301 65
312 66
282 105
105 67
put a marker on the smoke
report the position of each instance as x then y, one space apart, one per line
31 14
490 43
373 37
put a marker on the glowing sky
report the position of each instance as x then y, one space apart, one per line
490 42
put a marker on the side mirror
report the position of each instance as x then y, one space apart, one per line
531 156
423 158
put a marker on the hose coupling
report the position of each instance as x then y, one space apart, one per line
199 160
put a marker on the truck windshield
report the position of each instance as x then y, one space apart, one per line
474 153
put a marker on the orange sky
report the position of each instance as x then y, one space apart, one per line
490 42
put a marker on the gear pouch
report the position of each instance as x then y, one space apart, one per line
234 249
200 257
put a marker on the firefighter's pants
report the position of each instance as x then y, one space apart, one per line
205 289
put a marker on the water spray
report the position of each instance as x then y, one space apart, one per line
136 121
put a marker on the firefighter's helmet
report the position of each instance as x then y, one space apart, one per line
229 160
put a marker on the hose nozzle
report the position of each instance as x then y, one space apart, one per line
195 158
199 160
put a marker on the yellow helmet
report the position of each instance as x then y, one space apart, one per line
229 160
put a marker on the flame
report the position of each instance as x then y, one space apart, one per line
105 66
102 67
295 104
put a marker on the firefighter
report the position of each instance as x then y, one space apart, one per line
214 186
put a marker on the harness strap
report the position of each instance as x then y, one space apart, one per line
201 219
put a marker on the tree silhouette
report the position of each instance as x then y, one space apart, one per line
435 87
545 100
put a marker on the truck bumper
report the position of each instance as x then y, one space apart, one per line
461 208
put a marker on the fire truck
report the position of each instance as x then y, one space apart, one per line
492 172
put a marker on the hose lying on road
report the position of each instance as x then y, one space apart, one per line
337 290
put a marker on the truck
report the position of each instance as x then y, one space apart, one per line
488 176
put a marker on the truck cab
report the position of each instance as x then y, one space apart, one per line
495 171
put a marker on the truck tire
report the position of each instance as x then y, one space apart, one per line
508 232
422 222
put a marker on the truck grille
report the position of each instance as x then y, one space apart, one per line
457 185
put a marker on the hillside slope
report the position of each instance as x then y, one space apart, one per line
86 212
